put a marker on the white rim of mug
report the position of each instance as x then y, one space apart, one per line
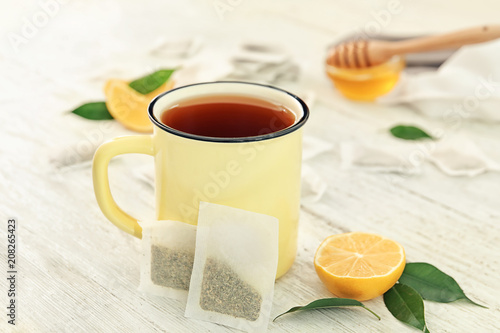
298 124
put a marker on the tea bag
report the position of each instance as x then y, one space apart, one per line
234 267
384 156
461 157
313 186
168 255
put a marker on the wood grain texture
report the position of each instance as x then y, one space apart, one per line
79 273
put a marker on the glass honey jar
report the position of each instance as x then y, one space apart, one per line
366 84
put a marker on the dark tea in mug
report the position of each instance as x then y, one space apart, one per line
228 116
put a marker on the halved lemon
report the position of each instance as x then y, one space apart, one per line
128 106
359 265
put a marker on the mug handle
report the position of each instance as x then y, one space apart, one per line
142 144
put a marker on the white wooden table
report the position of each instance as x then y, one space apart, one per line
79 273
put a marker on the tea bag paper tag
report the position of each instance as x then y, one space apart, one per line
167 258
234 267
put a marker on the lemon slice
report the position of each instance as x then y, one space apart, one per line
359 265
129 107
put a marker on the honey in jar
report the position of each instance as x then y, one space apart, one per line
368 83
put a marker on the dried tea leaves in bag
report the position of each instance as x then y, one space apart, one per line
234 267
171 268
221 286
168 256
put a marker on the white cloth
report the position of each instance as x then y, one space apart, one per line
466 86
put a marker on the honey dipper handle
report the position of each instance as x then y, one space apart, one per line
448 40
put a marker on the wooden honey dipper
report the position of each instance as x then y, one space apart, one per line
366 53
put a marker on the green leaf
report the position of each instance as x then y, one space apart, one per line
327 303
433 284
406 305
93 111
151 82
409 133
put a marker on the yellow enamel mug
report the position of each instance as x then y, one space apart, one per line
257 173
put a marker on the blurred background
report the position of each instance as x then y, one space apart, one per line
68 40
